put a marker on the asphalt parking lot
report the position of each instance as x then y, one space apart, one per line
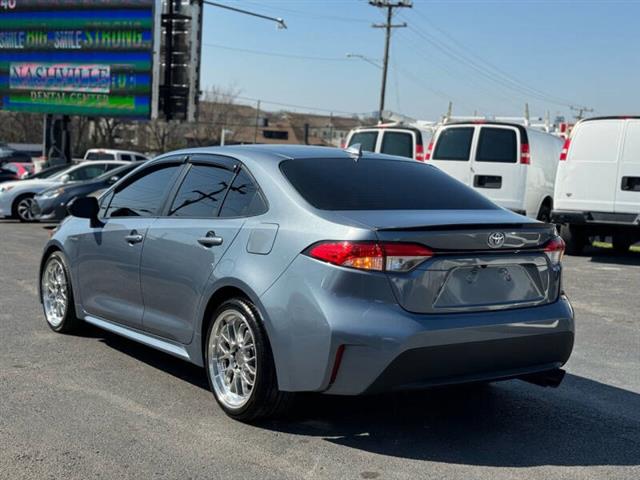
98 406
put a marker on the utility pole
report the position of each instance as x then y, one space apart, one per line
390 6
255 133
580 111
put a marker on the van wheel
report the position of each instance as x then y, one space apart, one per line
544 215
621 242
574 238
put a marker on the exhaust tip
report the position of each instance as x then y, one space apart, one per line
550 378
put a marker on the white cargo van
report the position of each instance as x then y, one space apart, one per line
102 154
513 165
392 139
598 184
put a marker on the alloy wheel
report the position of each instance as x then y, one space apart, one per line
55 292
25 209
232 359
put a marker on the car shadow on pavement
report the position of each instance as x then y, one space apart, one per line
609 256
508 424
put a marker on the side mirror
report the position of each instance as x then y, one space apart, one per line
85 207
65 179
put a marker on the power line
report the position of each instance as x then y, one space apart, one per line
275 54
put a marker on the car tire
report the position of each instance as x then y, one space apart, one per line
23 208
574 238
235 336
544 215
621 242
56 295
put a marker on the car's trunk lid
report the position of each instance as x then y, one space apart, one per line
483 260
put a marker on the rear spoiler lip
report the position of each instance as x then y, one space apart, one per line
469 226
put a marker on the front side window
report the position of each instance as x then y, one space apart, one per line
366 139
144 196
398 143
454 144
498 145
244 198
87 172
201 192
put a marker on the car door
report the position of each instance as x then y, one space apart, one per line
398 142
628 183
496 169
184 246
452 152
109 260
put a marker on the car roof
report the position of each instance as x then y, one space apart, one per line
276 153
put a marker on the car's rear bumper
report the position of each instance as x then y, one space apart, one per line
342 332
578 217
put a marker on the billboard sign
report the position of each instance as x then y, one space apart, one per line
79 57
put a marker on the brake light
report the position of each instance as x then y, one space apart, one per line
420 153
525 154
554 250
376 256
429 151
565 150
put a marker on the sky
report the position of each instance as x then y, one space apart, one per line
486 57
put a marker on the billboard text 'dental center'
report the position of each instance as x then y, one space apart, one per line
78 58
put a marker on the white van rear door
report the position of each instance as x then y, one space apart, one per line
367 138
587 180
628 183
496 168
452 151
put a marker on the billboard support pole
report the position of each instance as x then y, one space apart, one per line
57 139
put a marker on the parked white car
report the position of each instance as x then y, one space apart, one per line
513 165
598 184
392 139
102 154
16 198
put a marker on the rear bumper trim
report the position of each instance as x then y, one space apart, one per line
576 217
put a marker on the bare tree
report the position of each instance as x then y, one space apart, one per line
17 127
164 136
218 110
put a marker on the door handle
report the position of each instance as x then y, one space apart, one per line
133 238
210 240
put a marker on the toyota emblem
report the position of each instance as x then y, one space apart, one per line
496 240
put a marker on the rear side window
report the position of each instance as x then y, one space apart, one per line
454 144
201 192
244 198
375 184
497 145
144 196
398 143
366 139
596 141
93 156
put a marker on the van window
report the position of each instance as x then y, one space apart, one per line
631 151
596 141
97 156
454 144
497 145
366 139
398 143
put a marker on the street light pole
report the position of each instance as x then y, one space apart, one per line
390 6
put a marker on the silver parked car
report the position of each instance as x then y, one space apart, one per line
285 269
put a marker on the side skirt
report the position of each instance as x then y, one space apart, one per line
166 346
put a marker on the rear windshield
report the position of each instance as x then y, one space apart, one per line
454 144
377 184
366 139
100 156
398 143
497 145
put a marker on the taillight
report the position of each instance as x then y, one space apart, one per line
565 150
420 153
377 256
525 154
554 250
429 152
